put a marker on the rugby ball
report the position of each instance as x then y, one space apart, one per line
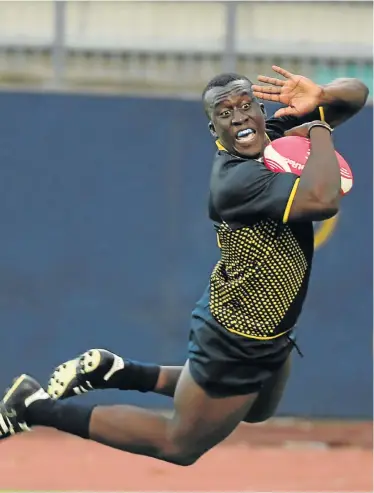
289 155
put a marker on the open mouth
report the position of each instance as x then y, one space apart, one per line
246 136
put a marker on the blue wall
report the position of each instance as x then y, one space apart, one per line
105 242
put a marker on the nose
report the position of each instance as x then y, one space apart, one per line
239 117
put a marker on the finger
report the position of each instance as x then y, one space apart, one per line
282 71
266 89
288 111
266 97
271 80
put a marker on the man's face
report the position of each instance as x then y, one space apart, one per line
237 118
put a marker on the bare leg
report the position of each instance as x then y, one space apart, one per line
263 408
199 423
265 404
167 380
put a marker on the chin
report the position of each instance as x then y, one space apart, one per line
250 152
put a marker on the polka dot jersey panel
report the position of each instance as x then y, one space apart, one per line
260 273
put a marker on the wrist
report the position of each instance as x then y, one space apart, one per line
325 96
333 92
321 126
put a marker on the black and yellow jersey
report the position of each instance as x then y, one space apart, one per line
258 287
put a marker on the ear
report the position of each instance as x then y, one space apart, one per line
212 130
262 106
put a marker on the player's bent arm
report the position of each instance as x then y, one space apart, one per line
317 196
244 191
342 99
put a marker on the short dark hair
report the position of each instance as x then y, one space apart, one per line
222 80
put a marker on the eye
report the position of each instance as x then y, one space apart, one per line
246 106
225 113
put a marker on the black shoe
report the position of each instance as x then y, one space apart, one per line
90 371
24 391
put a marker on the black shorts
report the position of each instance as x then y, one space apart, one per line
226 364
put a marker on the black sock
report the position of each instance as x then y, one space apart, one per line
63 416
135 376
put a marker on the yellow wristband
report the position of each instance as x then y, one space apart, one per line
322 113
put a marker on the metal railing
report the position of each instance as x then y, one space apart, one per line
128 46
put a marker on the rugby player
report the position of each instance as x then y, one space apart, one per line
242 328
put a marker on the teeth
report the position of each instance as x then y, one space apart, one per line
244 133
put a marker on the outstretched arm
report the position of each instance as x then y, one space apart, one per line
340 99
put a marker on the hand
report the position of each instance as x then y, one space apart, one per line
300 94
302 130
